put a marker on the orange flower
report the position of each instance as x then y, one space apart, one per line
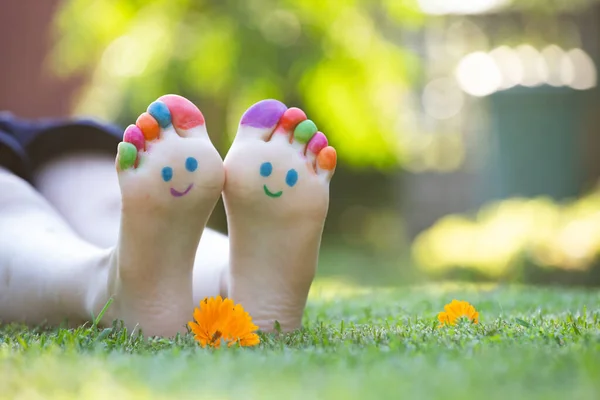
219 320
456 310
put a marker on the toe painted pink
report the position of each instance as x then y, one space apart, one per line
184 114
317 143
134 135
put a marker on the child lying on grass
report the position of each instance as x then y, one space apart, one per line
74 233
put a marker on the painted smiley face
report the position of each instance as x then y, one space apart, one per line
191 164
291 178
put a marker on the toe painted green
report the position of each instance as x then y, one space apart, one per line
304 131
127 154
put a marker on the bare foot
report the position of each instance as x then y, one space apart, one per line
170 177
276 196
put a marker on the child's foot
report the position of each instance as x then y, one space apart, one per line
171 177
276 196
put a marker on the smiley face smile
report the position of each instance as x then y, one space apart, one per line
177 193
271 194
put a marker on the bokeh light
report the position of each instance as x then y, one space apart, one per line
578 70
442 98
440 7
510 66
478 74
535 71
481 74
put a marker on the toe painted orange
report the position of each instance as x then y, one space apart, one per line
148 125
327 158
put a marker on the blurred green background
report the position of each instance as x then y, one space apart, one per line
467 131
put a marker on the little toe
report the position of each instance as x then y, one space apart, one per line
260 120
326 162
126 155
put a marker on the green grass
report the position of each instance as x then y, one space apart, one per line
532 343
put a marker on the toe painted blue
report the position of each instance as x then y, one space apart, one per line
266 169
161 113
191 164
167 174
291 177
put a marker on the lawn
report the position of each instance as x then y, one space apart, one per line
358 343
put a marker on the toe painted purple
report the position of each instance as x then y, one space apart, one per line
264 114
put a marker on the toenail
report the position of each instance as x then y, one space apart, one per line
327 158
167 174
292 117
317 143
291 178
305 131
184 113
127 154
264 114
148 126
191 164
134 135
266 169
161 113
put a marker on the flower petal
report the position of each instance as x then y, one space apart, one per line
219 320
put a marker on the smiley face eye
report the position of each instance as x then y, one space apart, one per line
167 174
266 169
291 177
191 164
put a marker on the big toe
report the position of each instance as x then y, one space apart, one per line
187 119
260 119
